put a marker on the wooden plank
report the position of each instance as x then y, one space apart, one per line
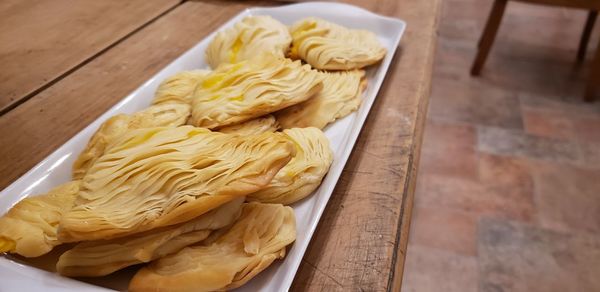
42 40
361 240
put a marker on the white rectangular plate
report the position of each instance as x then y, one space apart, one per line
56 168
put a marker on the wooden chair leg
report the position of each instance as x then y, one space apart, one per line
488 36
585 37
593 81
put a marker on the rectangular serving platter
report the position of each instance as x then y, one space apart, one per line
17 275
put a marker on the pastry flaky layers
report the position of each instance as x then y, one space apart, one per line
29 227
340 96
178 88
234 93
164 115
303 174
252 36
99 258
258 238
157 177
329 46
260 125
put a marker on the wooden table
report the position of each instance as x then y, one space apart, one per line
66 62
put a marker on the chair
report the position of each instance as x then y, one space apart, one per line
493 22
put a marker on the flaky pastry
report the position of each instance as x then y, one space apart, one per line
99 258
234 93
163 115
341 95
29 227
154 177
179 87
257 239
329 46
252 36
260 125
303 174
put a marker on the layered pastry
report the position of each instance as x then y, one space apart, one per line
102 257
257 239
157 177
252 36
329 46
263 124
234 93
179 87
303 174
163 115
341 95
29 228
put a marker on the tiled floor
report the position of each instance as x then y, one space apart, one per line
508 193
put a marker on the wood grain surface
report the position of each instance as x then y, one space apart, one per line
42 40
361 239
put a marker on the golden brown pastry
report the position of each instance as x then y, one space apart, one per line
29 227
303 174
99 258
179 87
235 93
248 38
328 46
163 115
341 95
154 177
260 125
258 238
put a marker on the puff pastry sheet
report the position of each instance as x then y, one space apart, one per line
258 238
157 177
303 174
99 258
341 95
234 93
252 36
329 46
29 227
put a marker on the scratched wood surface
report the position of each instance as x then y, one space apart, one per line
361 239
42 40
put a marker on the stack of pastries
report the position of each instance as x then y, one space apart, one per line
196 187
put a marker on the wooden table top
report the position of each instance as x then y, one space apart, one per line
59 76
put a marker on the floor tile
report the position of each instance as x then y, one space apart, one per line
549 124
449 149
463 20
536 158
590 155
472 103
587 129
505 172
519 258
475 197
444 229
572 105
432 270
567 197
453 58
516 143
